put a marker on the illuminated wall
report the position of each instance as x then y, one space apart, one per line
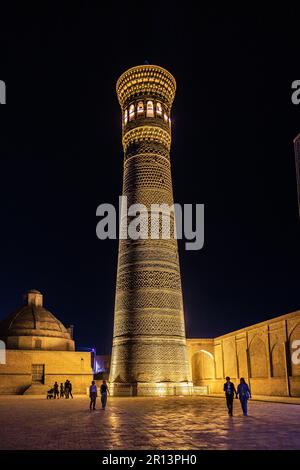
16 376
261 353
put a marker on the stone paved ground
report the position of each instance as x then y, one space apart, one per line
146 423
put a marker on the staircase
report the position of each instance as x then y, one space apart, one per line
37 389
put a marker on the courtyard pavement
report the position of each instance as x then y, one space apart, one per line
146 423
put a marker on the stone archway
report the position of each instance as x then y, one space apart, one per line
203 366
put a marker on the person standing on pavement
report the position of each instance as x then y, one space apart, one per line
56 390
67 389
243 391
93 395
62 390
230 391
104 391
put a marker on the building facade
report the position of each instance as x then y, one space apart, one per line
39 351
265 354
149 352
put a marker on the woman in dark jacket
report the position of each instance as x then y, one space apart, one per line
243 392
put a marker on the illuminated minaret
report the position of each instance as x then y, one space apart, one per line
149 354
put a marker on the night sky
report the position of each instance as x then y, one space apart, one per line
233 129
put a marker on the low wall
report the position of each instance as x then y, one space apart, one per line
272 386
151 389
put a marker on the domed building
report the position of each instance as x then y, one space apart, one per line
40 350
34 327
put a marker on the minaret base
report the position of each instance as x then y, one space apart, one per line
150 389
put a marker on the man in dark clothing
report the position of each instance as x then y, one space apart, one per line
230 391
104 391
62 390
67 390
56 391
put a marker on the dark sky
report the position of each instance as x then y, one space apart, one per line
233 127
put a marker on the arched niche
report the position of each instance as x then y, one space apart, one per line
258 358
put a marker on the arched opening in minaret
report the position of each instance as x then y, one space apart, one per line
140 108
150 109
158 109
131 112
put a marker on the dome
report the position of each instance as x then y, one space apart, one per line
34 327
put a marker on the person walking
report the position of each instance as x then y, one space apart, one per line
55 390
67 389
230 391
104 390
243 391
70 389
62 390
93 395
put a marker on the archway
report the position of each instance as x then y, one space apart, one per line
203 366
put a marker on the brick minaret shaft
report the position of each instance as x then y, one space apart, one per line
149 345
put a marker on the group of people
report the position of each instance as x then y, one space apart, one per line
65 391
94 393
62 391
243 393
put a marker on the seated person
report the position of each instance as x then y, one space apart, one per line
50 393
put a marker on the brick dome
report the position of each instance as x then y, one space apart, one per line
33 320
